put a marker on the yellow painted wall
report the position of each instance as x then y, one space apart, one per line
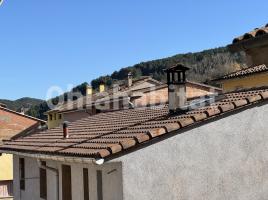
257 80
55 121
6 167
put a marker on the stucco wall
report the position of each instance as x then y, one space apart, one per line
225 159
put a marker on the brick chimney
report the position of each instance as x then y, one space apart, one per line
130 79
176 80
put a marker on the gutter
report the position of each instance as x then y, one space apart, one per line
80 160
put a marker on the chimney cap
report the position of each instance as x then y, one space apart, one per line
177 67
130 74
65 124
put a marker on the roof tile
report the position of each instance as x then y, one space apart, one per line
142 138
200 116
172 127
264 95
157 132
255 98
128 143
212 112
226 107
241 102
104 153
115 148
186 122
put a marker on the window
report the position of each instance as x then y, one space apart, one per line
50 117
59 116
99 185
85 181
22 173
43 181
66 183
55 116
6 189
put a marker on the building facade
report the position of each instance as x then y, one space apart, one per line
252 77
12 124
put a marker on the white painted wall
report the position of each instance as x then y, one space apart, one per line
112 180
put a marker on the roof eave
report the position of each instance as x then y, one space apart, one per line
70 159
252 43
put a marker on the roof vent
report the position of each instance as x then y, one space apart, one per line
65 129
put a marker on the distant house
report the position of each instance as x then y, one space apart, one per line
159 94
102 101
184 150
141 92
251 77
12 125
255 45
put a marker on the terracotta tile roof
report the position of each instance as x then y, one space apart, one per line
106 134
245 72
257 32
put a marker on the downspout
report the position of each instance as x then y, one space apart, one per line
56 171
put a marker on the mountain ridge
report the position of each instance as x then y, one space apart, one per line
24 102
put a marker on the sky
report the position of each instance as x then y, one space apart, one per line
64 43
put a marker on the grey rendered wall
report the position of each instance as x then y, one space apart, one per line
225 159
